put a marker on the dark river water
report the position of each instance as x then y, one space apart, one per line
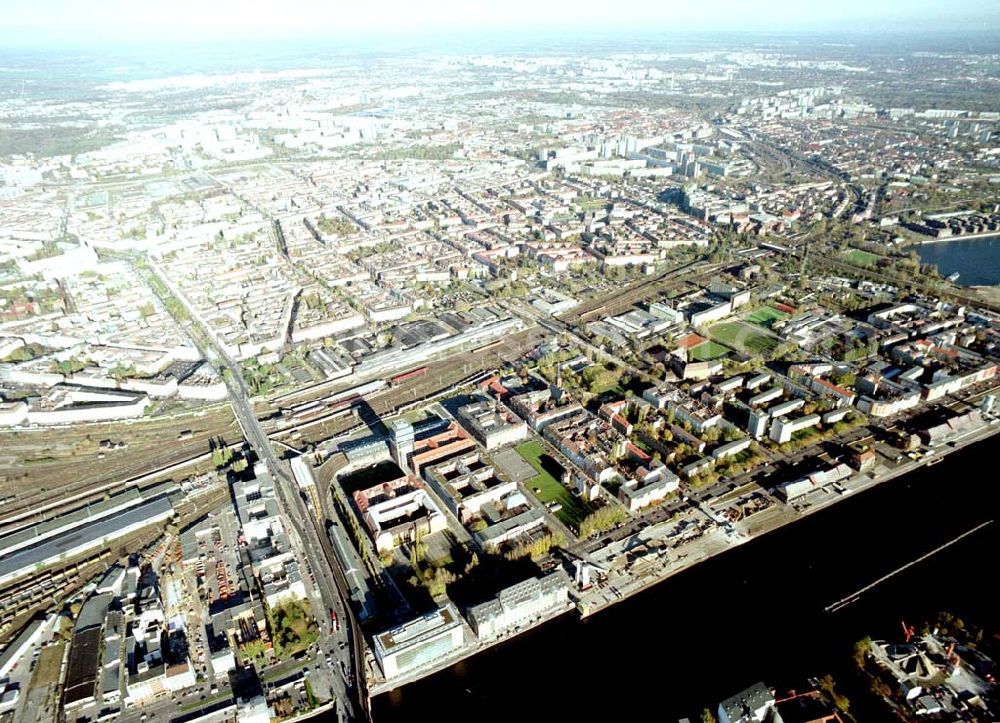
753 613
977 260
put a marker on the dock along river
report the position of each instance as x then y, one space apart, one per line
756 612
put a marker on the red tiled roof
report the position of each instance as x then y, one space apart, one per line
637 452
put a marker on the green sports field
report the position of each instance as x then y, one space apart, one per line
857 256
549 488
766 316
737 335
707 351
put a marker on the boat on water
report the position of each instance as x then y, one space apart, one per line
953 277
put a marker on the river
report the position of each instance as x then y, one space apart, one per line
977 260
753 613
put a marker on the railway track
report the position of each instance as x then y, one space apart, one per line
633 294
37 503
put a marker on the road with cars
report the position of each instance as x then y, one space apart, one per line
316 548
342 643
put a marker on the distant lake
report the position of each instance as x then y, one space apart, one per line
977 260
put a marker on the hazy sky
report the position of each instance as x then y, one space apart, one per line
88 21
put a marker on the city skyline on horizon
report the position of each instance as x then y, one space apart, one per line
59 22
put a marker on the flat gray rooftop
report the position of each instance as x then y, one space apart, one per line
89 533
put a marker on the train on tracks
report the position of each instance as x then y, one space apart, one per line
340 401
406 376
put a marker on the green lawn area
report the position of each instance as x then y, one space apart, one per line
742 336
549 488
857 256
293 628
707 351
765 316
598 379
591 204
608 386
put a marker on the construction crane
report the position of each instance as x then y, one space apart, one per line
584 567
583 571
